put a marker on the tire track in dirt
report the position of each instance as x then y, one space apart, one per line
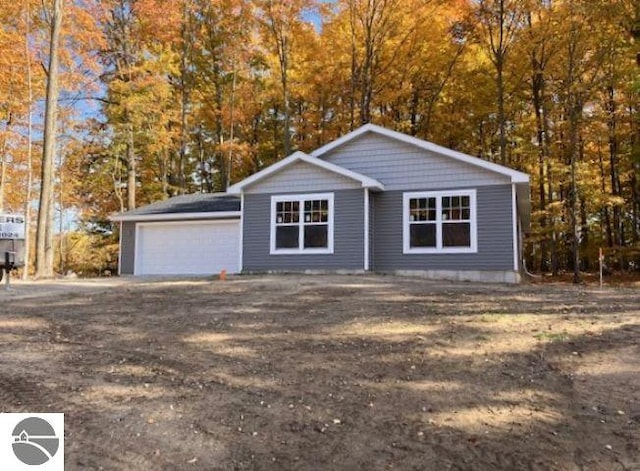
108 450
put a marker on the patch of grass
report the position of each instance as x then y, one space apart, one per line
552 336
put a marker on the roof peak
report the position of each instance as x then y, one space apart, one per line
514 175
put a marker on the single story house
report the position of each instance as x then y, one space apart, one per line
372 200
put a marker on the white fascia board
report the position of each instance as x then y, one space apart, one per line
175 216
366 182
514 175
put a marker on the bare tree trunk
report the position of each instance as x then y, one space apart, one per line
612 125
4 157
3 164
500 53
62 256
27 208
280 29
606 220
44 234
131 170
184 98
542 138
502 120
366 94
575 110
117 184
555 262
501 20
354 67
231 129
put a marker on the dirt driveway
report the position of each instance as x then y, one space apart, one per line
329 373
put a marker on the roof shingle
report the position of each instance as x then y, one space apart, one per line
194 203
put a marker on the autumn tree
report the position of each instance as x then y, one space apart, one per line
196 95
44 233
500 22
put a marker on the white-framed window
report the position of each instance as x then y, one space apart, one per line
439 222
302 224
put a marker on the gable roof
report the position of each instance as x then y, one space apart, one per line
366 182
194 206
514 175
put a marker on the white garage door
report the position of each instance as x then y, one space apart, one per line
187 248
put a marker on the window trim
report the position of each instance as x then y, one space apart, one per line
439 249
301 198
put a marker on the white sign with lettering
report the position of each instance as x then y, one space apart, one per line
12 226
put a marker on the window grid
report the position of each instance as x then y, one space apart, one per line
440 222
287 212
302 224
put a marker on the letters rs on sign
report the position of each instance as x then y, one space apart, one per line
12 226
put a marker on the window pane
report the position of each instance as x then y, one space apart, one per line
315 237
422 235
287 237
316 211
287 212
456 234
420 209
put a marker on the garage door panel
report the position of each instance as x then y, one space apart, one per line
187 248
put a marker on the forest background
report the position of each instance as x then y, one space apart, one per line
109 105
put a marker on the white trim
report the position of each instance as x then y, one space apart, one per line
136 255
407 249
241 247
514 223
120 250
515 176
366 182
175 216
136 251
301 250
366 229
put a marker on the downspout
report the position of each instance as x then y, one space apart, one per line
120 251
366 229
516 228
241 248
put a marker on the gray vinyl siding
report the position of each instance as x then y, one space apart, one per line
303 177
495 235
127 247
348 236
401 166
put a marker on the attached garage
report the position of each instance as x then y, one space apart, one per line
185 235
187 248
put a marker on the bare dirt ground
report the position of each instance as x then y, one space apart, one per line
328 373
